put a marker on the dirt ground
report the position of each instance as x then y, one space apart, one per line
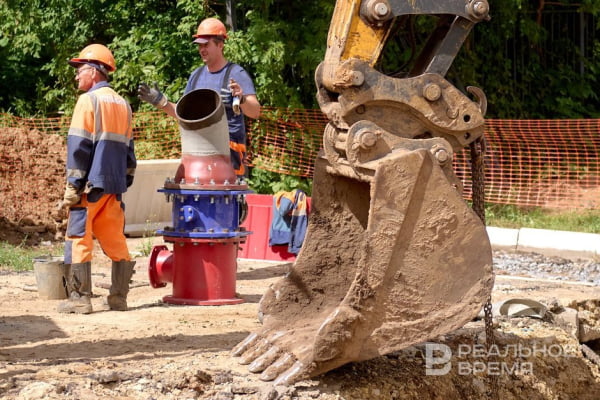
161 351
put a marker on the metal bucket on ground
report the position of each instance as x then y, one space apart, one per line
51 277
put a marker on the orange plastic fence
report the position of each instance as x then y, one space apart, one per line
546 163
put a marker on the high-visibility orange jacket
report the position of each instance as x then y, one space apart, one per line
100 151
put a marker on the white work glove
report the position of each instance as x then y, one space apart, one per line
152 95
70 198
236 106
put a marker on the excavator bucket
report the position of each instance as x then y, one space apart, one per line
393 255
385 264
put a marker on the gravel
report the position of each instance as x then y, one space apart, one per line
539 266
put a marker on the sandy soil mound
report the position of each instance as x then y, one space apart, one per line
28 207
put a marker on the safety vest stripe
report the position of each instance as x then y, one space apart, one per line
76 173
114 137
97 119
81 132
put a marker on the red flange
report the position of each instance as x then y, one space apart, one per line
160 269
203 271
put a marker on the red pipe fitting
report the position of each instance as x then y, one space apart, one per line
160 270
203 271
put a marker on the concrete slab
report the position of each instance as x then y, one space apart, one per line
503 238
559 242
547 242
147 210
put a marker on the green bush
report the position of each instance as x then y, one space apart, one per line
525 71
267 182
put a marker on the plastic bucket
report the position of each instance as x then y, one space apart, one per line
51 277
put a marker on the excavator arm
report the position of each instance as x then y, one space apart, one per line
393 255
360 29
350 90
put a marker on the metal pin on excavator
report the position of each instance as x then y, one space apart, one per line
393 255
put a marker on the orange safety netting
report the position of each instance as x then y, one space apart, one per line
546 163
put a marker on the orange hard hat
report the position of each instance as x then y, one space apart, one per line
95 53
211 27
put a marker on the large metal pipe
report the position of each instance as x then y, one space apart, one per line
207 199
204 139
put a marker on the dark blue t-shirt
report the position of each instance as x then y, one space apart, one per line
202 78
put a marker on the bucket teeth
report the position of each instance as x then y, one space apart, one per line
254 352
295 373
265 360
276 369
241 347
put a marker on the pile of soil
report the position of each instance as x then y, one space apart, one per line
28 214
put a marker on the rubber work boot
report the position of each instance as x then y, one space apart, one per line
120 277
79 285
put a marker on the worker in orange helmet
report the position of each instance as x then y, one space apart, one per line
100 167
230 80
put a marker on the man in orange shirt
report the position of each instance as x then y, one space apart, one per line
100 167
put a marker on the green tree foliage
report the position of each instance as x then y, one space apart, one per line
150 39
526 67
530 61
290 37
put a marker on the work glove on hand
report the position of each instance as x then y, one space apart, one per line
70 198
152 95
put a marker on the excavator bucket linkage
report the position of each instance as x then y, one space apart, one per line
393 255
